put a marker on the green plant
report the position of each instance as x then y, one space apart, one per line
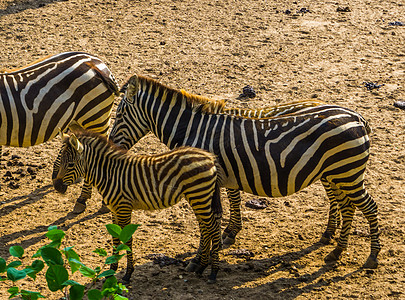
59 262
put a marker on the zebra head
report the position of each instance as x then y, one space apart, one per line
71 166
130 125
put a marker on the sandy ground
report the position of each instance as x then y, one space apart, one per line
214 48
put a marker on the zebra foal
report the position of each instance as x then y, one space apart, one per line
50 93
149 182
271 157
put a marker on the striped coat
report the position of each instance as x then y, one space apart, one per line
271 157
49 94
149 182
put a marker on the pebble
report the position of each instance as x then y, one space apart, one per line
400 104
257 203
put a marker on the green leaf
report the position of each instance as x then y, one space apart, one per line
54 244
74 264
76 292
13 291
70 282
52 227
114 230
16 251
3 265
100 252
28 295
127 232
55 235
113 259
123 247
88 272
70 253
14 274
37 265
109 286
32 270
119 297
94 295
14 264
55 277
106 274
52 256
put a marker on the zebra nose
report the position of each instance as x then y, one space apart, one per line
59 185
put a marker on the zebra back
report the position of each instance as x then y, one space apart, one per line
50 93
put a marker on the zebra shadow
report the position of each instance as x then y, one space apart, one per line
17 6
41 230
32 197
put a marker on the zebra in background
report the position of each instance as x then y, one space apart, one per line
334 218
273 111
149 182
271 157
49 94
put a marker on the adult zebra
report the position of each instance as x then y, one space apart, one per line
271 157
49 94
128 182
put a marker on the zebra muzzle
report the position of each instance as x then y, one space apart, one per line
59 185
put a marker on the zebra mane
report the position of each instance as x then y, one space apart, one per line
101 140
196 102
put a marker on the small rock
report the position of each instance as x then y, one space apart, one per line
248 92
242 253
400 104
371 85
396 23
261 203
343 9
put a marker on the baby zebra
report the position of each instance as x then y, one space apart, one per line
128 182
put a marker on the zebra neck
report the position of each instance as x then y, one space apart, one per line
99 162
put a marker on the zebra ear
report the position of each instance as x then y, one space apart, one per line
74 126
76 143
62 135
132 89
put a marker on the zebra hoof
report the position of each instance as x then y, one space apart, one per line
104 209
79 208
213 277
333 256
126 278
371 263
326 238
192 266
200 269
228 241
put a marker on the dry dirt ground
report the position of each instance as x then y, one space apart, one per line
321 49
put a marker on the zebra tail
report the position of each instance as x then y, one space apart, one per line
366 125
110 83
216 204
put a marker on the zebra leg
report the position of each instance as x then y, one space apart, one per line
85 194
235 220
80 204
370 210
122 219
216 241
200 262
195 262
334 214
347 210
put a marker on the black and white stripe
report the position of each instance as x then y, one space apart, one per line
128 182
271 157
47 95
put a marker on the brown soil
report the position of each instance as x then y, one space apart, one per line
215 48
